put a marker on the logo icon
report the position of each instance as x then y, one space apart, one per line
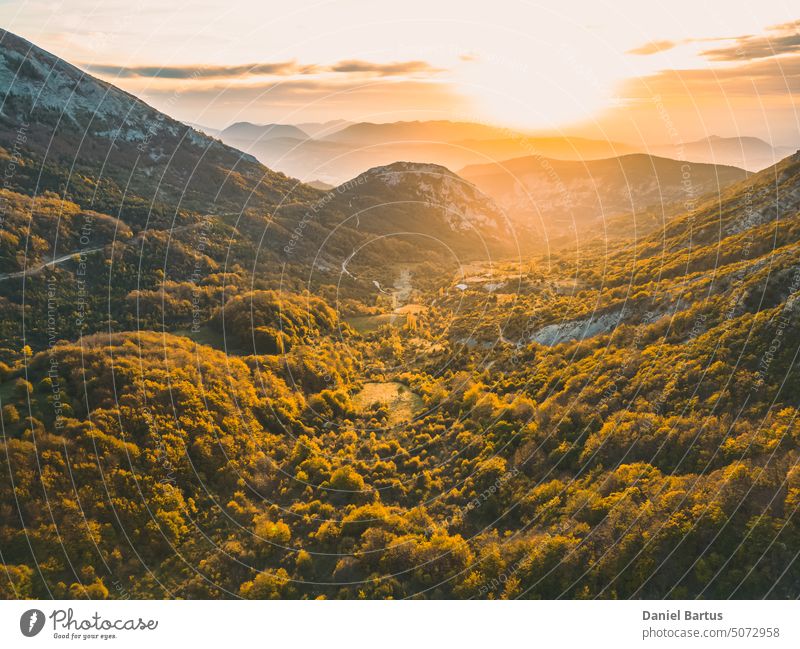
31 622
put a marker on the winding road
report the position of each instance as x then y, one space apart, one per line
34 270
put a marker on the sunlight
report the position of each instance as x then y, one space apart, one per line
533 97
400 301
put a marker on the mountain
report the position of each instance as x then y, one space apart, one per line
725 272
426 204
365 133
318 184
320 129
556 196
247 133
749 153
768 202
110 151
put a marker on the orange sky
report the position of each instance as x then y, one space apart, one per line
624 70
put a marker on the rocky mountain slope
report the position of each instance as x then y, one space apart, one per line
426 200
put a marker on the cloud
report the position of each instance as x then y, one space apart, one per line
300 91
653 47
755 80
198 72
277 69
755 47
779 39
309 99
786 27
385 69
784 39
756 98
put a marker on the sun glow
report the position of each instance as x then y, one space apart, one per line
523 95
531 66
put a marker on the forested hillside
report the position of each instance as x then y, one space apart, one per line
293 402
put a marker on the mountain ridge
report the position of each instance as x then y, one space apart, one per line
560 197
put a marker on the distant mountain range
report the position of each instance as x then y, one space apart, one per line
321 129
334 152
749 153
368 133
247 132
346 152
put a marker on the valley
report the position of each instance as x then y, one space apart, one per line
409 384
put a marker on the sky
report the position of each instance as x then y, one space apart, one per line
625 70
